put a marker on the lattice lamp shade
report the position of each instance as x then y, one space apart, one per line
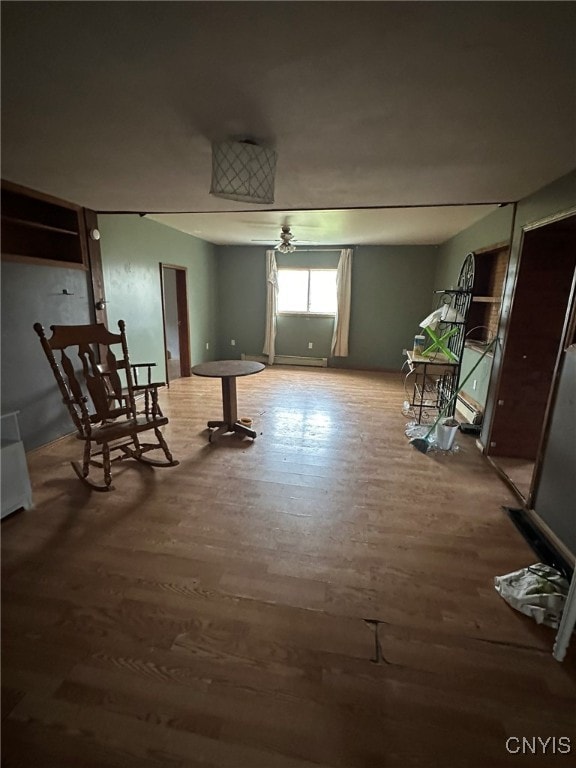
243 171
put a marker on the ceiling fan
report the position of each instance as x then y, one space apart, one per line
284 245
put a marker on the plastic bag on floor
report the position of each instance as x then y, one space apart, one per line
413 429
538 591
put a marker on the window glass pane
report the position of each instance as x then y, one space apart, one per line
292 290
323 291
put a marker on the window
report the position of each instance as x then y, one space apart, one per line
307 291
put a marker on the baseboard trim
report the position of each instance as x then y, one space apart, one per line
551 537
51 442
317 362
543 542
328 364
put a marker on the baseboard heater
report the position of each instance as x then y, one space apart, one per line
540 545
469 409
317 362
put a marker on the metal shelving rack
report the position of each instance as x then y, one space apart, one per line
435 377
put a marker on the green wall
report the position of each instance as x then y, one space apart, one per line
493 229
132 250
391 293
242 296
34 293
481 374
554 198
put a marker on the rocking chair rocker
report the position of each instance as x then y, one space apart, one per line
100 404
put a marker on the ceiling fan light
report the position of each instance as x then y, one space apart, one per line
285 247
243 171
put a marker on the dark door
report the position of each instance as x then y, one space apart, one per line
175 314
535 339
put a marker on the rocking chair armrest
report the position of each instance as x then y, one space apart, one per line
136 366
151 406
152 385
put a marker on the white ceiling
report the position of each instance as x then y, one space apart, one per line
113 105
390 226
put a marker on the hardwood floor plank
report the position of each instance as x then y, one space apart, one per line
24 742
214 614
143 739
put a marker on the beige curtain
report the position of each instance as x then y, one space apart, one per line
271 306
343 290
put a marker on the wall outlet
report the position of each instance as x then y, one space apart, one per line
232 342
310 345
207 345
474 383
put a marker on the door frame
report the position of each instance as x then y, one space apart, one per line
568 332
569 321
183 321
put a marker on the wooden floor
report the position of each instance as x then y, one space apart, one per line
519 472
215 614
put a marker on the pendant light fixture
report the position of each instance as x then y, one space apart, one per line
243 171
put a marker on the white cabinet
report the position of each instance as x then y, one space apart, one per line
16 489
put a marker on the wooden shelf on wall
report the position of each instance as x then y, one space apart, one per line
38 225
40 229
487 299
489 274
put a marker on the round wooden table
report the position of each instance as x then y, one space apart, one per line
229 371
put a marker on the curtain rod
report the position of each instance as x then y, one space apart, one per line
312 250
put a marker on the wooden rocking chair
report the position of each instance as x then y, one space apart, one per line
101 404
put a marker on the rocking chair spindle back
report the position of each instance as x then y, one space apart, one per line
102 405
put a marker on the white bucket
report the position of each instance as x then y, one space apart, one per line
445 437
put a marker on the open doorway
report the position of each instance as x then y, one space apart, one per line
175 317
538 324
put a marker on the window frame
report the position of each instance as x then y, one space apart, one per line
307 313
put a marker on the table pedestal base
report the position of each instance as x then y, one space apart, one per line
222 427
228 371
